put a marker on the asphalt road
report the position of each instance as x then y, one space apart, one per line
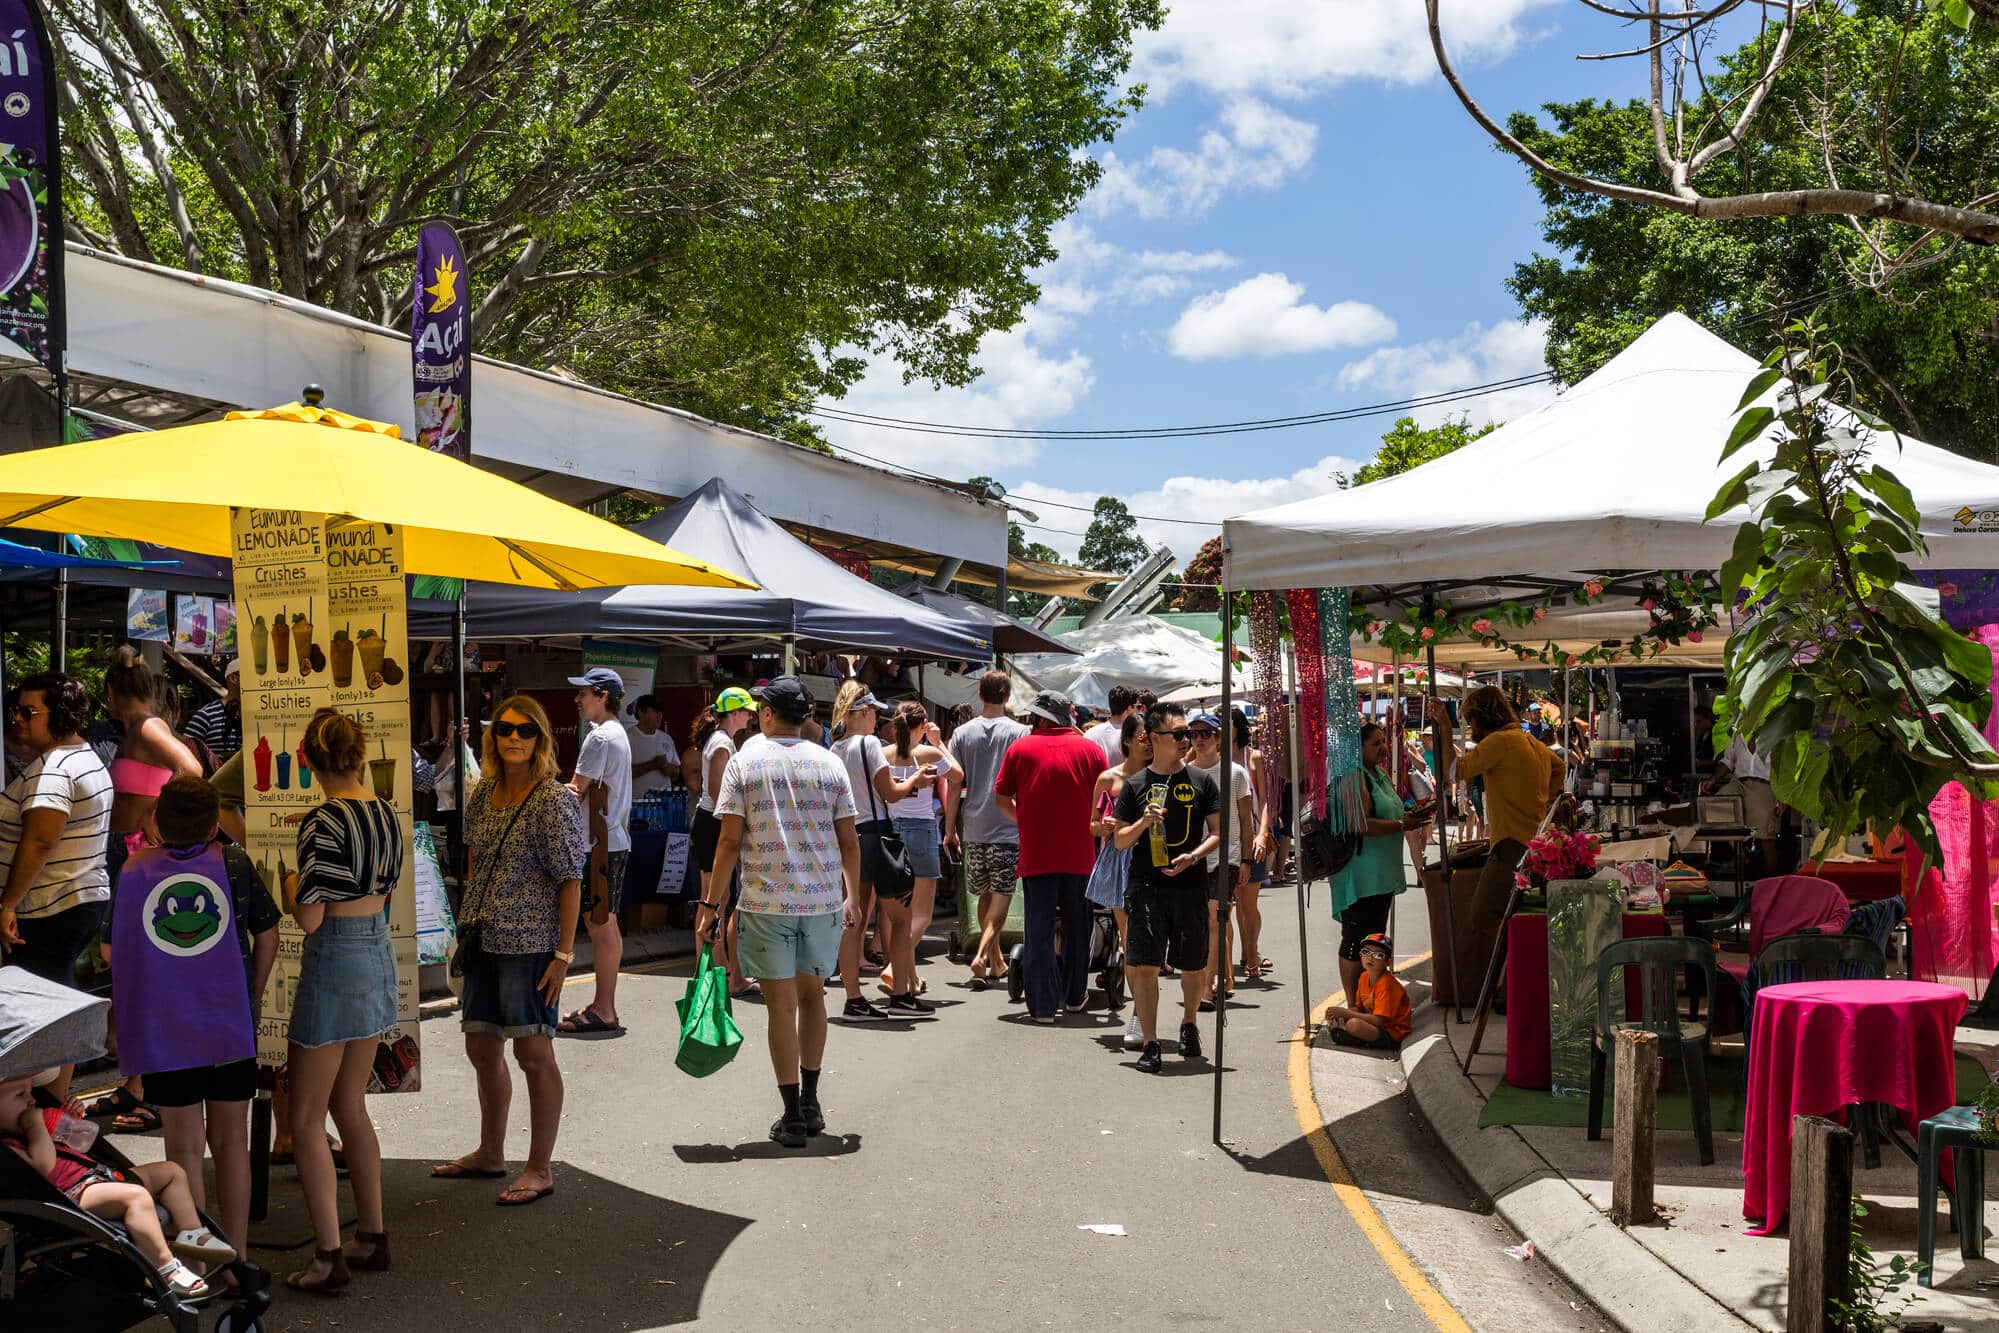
964 1156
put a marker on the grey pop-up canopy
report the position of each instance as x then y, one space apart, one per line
1008 635
43 1025
802 595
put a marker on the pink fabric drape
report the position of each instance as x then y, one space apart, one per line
1304 607
1950 914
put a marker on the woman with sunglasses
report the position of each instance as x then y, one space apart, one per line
524 889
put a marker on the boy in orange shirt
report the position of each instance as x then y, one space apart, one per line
1381 1018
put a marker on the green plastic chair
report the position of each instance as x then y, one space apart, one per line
1659 963
1957 1130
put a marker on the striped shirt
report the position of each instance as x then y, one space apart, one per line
73 780
218 724
349 849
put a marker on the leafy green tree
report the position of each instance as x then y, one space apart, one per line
1920 326
1859 698
725 206
1408 445
1111 542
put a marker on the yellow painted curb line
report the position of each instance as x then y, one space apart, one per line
1428 1299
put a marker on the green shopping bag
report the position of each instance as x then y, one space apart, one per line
708 1032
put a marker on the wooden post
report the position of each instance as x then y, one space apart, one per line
1821 1222
1635 1115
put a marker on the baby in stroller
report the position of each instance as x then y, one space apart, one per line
123 1195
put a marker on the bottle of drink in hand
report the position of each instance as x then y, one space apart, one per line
1156 798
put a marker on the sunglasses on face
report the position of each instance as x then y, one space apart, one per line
1180 734
527 731
26 710
1202 733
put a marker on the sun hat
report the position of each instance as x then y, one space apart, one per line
735 699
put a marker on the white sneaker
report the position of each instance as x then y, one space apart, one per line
1133 1036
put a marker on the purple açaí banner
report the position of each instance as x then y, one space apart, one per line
31 295
440 343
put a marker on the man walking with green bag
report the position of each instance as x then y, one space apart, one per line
788 817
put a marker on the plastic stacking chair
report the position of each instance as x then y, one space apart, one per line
1957 1130
1812 955
1659 962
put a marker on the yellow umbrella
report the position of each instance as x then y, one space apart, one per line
176 488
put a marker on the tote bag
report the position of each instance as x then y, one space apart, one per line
708 1032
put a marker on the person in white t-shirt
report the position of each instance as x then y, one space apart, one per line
1109 735
787 816
605 760
655 761
1205 731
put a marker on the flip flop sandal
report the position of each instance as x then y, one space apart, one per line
522 1197
586 1021
128 1114
460 1171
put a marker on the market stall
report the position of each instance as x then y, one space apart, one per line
1636 448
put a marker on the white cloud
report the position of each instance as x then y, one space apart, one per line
1254 146
1208 500
1478 355
1264 316
1288 49
1025 383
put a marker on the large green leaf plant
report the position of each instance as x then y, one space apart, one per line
1848 684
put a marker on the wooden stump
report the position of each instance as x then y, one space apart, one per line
1821 1222
1635 1120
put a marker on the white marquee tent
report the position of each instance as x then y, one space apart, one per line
1143 652
1615 474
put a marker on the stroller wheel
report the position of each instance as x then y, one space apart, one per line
1016 973
1113 981
955 950
237 1321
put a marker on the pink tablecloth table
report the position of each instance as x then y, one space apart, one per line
1820 1046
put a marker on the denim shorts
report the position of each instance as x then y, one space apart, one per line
777 947
503 996
346 982
919 839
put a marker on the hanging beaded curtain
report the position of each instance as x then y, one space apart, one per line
1304 607
1267 668
1346 788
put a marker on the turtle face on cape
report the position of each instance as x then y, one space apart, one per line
186 915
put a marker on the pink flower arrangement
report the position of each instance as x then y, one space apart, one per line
1693 636
1593 587
1481 626
1557 855
1428 633
1540 612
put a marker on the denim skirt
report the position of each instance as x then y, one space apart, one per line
1108 876
920 840
346 982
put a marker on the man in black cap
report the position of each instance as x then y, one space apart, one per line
787 817
1045 784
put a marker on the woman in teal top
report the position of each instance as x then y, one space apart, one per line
1367 885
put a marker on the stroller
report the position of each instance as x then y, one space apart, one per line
1106 960
61 1267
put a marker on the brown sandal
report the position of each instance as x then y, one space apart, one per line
337 1275
376 1258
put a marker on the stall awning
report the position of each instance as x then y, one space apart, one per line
1616 474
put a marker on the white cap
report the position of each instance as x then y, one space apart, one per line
235 668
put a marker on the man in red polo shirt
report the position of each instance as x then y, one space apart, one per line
1044 785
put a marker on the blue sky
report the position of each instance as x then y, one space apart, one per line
1301 219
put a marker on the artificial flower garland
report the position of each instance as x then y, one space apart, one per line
1682 608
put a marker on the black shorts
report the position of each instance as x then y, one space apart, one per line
1167 926
1367 917
233 1082
707 832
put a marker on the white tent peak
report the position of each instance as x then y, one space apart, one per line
1615 474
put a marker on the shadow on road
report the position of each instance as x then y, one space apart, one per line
763 1150
627 1259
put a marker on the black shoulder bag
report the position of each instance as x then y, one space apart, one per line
884 860
468 934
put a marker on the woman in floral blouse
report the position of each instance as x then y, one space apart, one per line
517 930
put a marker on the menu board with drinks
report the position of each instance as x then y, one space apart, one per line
322 623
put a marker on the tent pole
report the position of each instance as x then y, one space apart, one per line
1291 753
1443 776
791 660
456 848
59 632
1224 909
